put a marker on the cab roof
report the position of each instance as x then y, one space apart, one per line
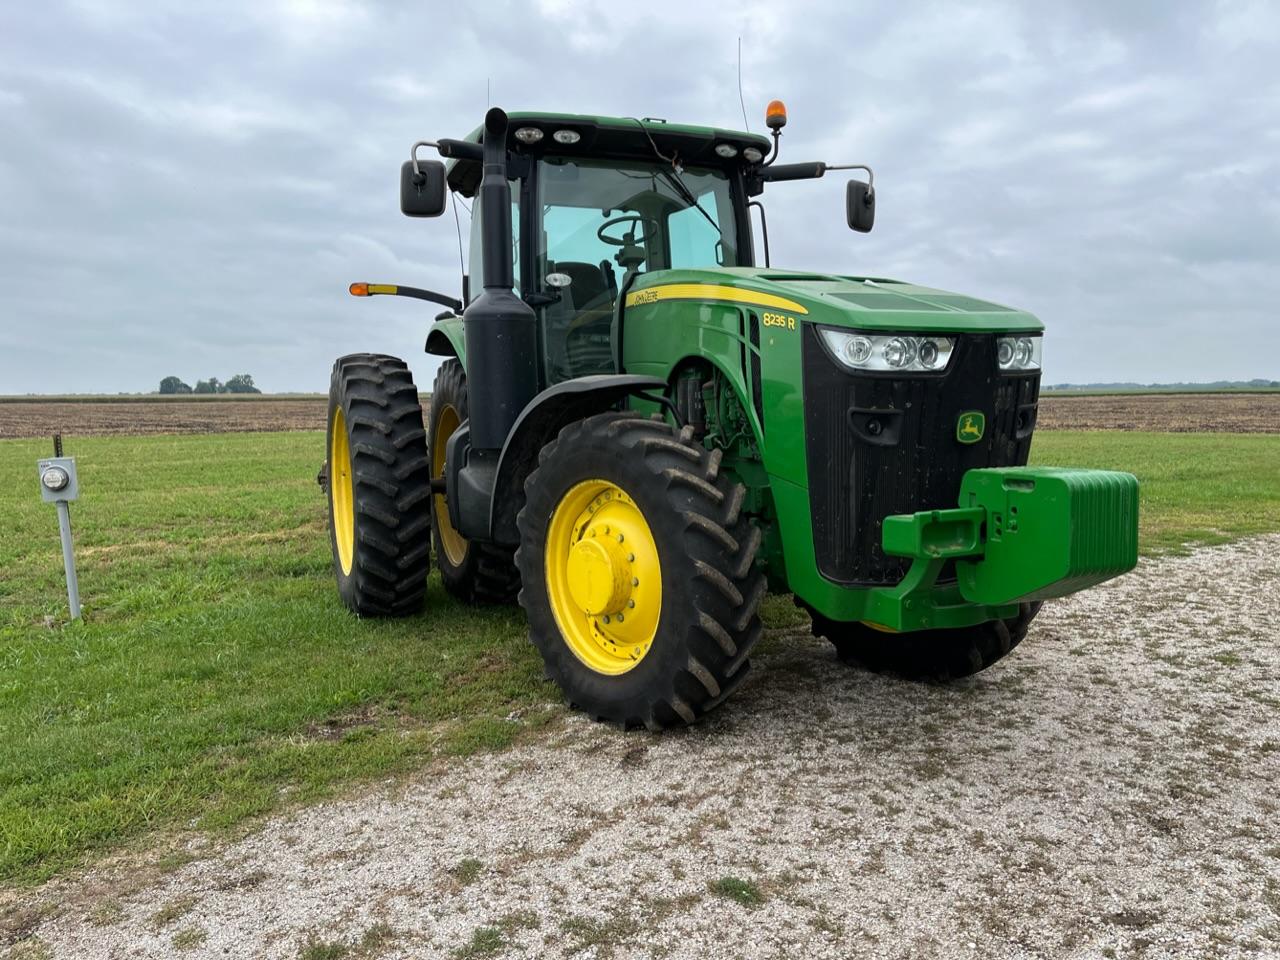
620 138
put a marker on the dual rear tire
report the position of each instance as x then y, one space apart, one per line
383 516
379 485
472 572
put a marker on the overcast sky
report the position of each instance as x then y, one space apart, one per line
187 188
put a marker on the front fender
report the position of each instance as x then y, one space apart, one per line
446 339
539 423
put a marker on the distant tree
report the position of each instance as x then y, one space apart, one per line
241 383
173 385
212 385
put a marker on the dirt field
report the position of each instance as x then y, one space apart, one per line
125 418
1110 790
1164 413
1177 413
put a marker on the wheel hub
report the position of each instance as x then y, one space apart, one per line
599 575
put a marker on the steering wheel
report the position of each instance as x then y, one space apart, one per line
629 238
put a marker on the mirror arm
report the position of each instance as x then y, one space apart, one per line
449 149
413 155
871 177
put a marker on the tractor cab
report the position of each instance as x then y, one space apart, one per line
598 202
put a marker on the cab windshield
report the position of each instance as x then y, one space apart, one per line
603 222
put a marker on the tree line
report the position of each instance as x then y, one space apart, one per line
240 383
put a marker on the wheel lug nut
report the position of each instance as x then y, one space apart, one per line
620 618
606 618
631 558
620 538
631 603
635 581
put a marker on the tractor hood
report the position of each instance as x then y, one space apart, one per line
864 303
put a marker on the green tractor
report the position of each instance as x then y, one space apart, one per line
636 430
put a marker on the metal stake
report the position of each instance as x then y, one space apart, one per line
68 559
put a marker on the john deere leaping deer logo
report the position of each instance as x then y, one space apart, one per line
971 426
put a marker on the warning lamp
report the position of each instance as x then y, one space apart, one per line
775 115
359 289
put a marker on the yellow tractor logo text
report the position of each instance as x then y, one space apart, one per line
779 320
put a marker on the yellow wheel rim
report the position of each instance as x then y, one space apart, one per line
604 579
341 491
446 421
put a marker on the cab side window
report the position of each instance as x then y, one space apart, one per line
694 240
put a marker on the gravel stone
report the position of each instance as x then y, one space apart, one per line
1111 789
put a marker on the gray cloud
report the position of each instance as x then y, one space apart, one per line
189 188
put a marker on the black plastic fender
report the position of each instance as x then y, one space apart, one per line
539 423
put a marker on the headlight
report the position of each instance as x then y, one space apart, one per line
888 352
1019 353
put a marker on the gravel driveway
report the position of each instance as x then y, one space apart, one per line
1112 789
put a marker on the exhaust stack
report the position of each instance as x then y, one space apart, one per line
500 329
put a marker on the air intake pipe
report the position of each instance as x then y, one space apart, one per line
500 328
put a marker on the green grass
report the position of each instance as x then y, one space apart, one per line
735 888
215 675
1194 488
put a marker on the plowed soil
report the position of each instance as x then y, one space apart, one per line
1162 413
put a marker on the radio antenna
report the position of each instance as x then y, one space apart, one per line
745 124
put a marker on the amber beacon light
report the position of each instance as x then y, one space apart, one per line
775 115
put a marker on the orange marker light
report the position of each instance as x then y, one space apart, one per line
775 115
359 289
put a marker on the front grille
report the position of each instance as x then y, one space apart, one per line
880 444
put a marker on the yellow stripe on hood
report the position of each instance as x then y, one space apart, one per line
711 291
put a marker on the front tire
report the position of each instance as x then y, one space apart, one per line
939 655
379 486
638 572
472 572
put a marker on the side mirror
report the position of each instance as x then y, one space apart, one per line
422 194
860 206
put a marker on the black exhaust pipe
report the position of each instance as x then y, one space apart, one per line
501 332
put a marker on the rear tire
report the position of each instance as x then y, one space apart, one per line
927 654
472 572
673 552
378 485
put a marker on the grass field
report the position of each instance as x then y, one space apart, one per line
215 675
